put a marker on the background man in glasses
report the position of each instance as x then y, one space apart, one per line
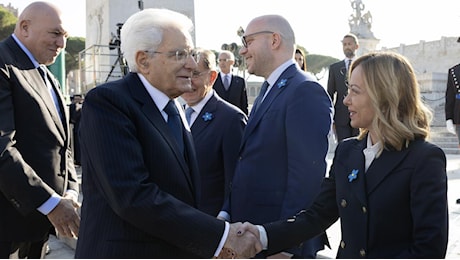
231 87
337 88
217 128
141 183
282 159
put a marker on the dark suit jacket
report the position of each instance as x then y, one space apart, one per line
140 192
282 159
236 93
397 209
217 142
452 107
35 154
336 86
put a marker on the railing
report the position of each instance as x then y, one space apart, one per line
99 64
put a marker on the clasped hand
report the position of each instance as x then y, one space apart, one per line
65 217
241 244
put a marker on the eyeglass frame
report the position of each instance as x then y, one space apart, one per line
243 38
181 55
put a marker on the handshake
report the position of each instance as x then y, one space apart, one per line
243 241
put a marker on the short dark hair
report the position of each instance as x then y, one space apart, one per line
351 35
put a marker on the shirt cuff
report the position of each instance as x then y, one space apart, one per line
224 238
50 204
224 215
263 237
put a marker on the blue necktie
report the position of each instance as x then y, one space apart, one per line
174 122
188 114
260 97
227 81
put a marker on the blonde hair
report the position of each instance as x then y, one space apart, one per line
400 114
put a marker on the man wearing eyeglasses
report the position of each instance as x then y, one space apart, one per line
217 128
282 159
231 87
141 183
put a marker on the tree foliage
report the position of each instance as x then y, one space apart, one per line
7 23
74 46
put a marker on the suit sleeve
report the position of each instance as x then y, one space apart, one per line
19 183
430 212
307 145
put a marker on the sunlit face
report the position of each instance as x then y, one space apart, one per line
299 59
164 71
201 85
359 105
44 36
257 52
349 47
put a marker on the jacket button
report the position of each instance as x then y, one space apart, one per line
342 244
362 252
364 209
343 203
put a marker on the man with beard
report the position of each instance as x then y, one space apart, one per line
337 88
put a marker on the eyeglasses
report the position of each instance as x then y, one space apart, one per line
180 55
224 60
244 37
197 74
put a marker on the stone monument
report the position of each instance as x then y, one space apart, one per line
360 25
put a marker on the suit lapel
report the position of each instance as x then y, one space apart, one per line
356 184
35 82
280 85
151 111
200 125
381 167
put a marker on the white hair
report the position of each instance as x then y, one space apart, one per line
144 31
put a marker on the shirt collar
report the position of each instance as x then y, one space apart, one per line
28 53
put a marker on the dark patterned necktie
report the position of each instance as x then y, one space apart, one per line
174 122
260 97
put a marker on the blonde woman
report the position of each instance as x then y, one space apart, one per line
388 186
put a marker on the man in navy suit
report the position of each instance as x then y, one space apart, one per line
231 87
141 184
38 181
282 159
217 128
338 89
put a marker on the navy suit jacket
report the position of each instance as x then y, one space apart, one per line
140 192
35 153
236 93
397 209
283 153
217 142
336 86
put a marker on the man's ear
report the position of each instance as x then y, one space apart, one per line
142 62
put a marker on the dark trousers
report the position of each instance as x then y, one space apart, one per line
25 249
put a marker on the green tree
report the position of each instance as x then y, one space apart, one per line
7 23
74 46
